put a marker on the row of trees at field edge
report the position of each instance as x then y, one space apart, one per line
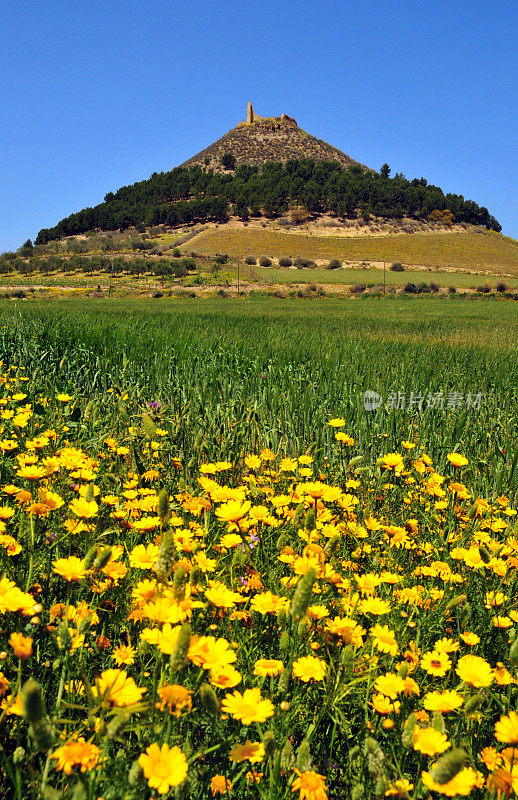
191 194
172 267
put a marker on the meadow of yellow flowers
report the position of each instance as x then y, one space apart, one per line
248 629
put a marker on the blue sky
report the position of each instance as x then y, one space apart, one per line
95 95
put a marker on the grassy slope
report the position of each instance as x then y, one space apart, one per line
470 249
355 276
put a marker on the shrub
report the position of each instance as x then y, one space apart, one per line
434 287
228 161
397 267
265 261
285 262
304 263
334 264
452 289
250 260
483 289
177 252
358 288
501 286
411 288
221 258
158 294
423 287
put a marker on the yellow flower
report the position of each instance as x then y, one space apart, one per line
209 652
253 462
475 671
225 676
233 510
389 685
444 702
429 741
309 668
266 666
248 707
310 785
338 422
457 460
220 785
86 509
461 784
76 754
124 654
436 663
31 473
71 568
250 751
163 767
392 461
268 603
176 698
384 639
344 438
22 645
116 687
506 729
64 398
221 596
400 789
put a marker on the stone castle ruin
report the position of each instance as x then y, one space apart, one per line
274 123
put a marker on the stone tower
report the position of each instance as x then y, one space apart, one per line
249 113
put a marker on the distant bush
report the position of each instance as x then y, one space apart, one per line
228 161
264 261
304 263
221 258
483 289
285 262
358 288
424 288
177 252
158 294
411 288
334 264
397 267
434 287
452 289
250 260
501 286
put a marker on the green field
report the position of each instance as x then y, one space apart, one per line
375 276
254 371
470 249
183 610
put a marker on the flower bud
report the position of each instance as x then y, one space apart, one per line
449 765
287 756
135 774
180 579
163 505
90 557
148 425
304 756
513 653
209 700
302 596
284 644
102 559
284 681
311 520
166 555
181 648
303 629
269 743
407 737
42 735
331 546
33 709
18 756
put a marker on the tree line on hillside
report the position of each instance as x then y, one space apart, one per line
173 267
191 194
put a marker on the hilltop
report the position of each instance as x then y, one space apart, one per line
269 167
261 139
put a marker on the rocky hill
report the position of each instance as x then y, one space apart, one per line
260 139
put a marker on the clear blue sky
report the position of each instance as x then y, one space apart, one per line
95 95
